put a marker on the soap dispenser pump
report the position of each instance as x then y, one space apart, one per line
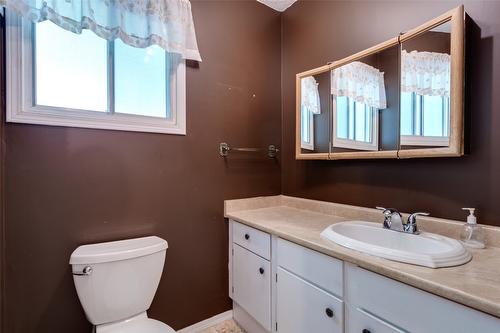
472 234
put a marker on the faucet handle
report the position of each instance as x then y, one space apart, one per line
388 215
412 219
387 211
411 226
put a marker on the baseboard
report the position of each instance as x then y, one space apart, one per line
217 319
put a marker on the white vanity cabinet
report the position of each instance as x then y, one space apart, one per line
280 286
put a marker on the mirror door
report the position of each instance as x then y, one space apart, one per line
365 104
432 66
313 115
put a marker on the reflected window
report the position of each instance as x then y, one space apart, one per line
358 92
425 98
424 119
355 125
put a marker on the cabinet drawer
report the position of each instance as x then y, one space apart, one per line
252 239
252 285
317 268
302 307
358 321
397 303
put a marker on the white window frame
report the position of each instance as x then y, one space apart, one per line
21 106
353 144
308 145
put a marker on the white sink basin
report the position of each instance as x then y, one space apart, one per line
425 249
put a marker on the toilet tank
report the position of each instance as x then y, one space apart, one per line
117 280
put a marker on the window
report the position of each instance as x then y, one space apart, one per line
355 125
307 129
425 120
60 78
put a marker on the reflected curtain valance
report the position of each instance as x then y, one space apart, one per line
309 99
425 73
139 23
360 82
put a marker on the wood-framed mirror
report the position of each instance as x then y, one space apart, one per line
403 98
432 88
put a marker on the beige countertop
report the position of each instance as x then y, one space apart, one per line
475 284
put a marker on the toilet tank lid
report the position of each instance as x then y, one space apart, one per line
117 250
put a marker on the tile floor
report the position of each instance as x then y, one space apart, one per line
228 326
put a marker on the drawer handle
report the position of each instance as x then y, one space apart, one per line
365 331
261 270
247 236
329 313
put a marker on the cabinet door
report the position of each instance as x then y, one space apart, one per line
304 308
252 285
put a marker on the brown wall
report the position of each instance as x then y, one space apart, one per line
67 187
431 41
389 117
2 178
315 32
322 121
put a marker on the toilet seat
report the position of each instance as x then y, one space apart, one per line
137 324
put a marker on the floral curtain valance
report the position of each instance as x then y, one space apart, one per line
425 73
139 23
360 82
309 99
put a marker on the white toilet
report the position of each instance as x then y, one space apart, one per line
116 283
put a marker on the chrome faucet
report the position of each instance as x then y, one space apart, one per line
394 221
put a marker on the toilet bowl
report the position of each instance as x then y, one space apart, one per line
116 283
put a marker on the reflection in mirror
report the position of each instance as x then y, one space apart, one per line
425 89
364 103
314 113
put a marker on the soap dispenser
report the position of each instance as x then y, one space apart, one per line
472 234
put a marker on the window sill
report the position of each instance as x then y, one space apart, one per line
352 144
418 140
96 120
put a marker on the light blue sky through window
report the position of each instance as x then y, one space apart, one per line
354 120
140 80
435 118
70 69
406 114
342 118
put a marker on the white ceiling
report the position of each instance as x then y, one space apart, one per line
279 5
